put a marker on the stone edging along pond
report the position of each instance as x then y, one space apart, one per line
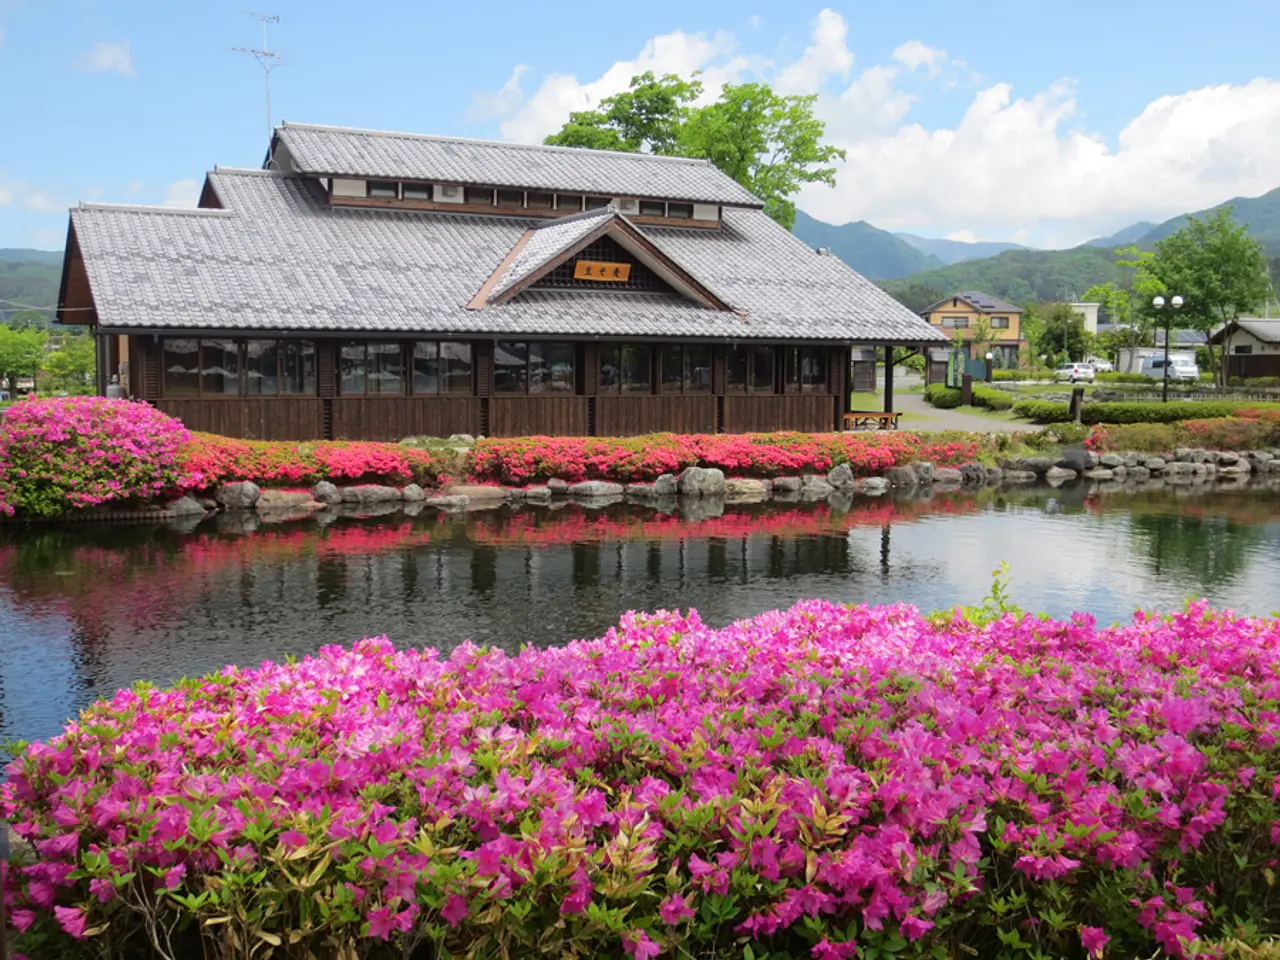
1111 471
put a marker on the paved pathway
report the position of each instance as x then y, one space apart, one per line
925 417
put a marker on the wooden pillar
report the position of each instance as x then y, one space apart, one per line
888 379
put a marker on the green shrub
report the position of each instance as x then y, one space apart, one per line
1056 435
1007 376
942 396
1044 411
1125 378
991 399
1259 383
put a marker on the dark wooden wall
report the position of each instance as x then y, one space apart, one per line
1253 365
589 413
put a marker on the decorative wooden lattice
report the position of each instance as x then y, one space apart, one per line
608 250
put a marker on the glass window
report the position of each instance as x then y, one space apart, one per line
551 367
955 323
382 188
597 203
683 210
417 191
813 370
1243 349
568 201
999 323
737 370
181 362
511 198
426 368
672 369
697 369
537 201
351 368
762 370
455 358
653 208
262 367
610 356
384 372
479 195
298 368
510 367
636 372
219 368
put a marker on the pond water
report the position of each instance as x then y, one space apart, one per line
85 609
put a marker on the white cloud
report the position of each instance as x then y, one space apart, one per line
1018 163
43 203
755 21
915 55
6 197
134 187
183 193
488 106
680 53
107 58
827 55
963 236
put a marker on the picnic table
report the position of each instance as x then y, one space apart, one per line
865 420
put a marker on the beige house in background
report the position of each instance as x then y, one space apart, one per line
958 315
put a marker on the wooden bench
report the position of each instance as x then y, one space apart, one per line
863 420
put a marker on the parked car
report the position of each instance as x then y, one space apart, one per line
1101 366
1075 372
1179 368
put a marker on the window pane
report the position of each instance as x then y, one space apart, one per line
538 201
636 373
596 203
351 368
551 368
609 359
386 368
672 369
479 195
792 381
456 360
653 208
298 368
737 372
262 367
813 370
510 367
762 370
219 368
381 188
568 201
417 191
511 198
426 368
697 369
181 368
684 210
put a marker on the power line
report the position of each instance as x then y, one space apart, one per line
268 58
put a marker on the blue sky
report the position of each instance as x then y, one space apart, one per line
1045 123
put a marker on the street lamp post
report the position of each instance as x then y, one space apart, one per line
1175 303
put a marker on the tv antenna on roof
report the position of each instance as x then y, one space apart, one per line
270 59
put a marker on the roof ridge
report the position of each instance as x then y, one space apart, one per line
155 208
540 147
605 211
253 172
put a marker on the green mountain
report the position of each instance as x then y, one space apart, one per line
873 252
958 251
29 278
1019 276
1123 238
1262 214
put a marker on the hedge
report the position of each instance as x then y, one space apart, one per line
948 398
1044 411
942 396
1006 376
1249 430
991 399
827 782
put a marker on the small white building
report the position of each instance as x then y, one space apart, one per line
1251 346
1090 313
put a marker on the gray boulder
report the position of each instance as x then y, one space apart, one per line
595 488
538 494
242 495
787 485
1156 464
1184 455
902 478
1037 465
1098 473
451 502
995 476
872 486
326 492
1019 476
666 485
1059 474
841 476
948 475
924 471
973 474
286 500
1135 460
185 507
558 487
1079 459
815 488
640 491
1225 459
1111 460
463 438
746 489
702 482
365 493
413 493
1137 473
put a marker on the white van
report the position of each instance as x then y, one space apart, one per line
1179 368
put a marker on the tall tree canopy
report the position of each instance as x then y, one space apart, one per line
21 353
770 144
1216 267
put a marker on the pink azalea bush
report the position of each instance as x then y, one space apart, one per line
626 459
70 453
822 782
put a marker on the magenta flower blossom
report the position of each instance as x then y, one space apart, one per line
1093 940
72 920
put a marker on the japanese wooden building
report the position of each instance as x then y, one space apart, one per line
371 285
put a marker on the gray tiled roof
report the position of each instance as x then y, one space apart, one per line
378 154
1268 331
277 257
545 242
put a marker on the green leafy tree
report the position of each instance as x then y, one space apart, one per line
1217 268
1056 331
71 367
770 144
1127 302
29 319
21 353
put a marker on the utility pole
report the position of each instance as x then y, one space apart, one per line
268 58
